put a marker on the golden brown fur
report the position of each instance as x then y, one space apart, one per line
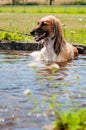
55 47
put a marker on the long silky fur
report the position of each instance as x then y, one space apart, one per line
59 39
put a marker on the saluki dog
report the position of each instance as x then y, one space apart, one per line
56 48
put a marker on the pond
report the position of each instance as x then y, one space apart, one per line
19 73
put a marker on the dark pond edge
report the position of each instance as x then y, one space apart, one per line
28 46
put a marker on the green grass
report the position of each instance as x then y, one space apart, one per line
74 29
44 9
24 18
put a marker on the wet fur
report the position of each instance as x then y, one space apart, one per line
55 48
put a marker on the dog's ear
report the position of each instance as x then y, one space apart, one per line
59 38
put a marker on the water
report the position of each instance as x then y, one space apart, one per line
19 112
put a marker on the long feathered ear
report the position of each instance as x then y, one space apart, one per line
59 39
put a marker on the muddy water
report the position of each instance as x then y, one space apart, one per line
19 73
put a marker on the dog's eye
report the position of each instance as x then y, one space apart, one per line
43 24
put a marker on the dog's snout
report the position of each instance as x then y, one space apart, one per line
32 32
35 32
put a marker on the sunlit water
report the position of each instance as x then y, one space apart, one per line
19 112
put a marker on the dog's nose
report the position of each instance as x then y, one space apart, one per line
32 32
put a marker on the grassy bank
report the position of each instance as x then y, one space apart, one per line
44 9
74 26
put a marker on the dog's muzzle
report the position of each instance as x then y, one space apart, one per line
39 34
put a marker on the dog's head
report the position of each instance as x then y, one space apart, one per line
48 26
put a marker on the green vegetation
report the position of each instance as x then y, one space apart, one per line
24 18
43 9
74 26
71 120
12 36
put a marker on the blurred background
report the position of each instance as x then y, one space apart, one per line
22 16
44 2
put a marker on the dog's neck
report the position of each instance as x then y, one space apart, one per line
49 43
48 52
51 49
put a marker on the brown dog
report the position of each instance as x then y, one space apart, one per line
55 47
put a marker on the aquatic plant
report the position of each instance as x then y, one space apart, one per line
70 120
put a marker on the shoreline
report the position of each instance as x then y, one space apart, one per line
30 46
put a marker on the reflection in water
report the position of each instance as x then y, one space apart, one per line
19 73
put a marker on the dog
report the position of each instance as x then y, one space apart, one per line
56 48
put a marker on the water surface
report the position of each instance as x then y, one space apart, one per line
17 74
